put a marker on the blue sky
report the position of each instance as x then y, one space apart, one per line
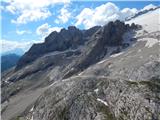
26 22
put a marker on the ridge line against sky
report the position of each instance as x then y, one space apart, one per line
27 22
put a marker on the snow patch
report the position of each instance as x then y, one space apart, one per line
31 110
32 117
6 81
101 61
100 100
149 21
53 83
80 73
150 42
96 90
115 55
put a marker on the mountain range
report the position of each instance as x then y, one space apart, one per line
109 72
8 61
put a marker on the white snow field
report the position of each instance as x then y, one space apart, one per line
149 21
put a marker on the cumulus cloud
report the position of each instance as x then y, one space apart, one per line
64 15
31 10
9 45
31 15
127 12
46 29
103 14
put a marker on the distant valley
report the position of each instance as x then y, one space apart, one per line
8 61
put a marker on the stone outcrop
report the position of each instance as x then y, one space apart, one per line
111 35
71 38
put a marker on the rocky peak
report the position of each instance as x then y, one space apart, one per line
69 38
106 36
113 32
51 36
72 28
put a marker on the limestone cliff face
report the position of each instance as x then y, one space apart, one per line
104 73
72 38
65 39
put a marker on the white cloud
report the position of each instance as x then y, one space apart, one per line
148 7
21 32
8 45
31 10
31 15
105 13
43 29
102 15
46 29
54 29
127 12
64 15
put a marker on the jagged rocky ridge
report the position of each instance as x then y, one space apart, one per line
100 79
65 39
73 37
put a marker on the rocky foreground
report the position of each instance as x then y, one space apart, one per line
103 73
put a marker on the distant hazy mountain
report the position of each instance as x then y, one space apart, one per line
16 51
8 61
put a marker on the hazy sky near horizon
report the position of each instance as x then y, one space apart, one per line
24 22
